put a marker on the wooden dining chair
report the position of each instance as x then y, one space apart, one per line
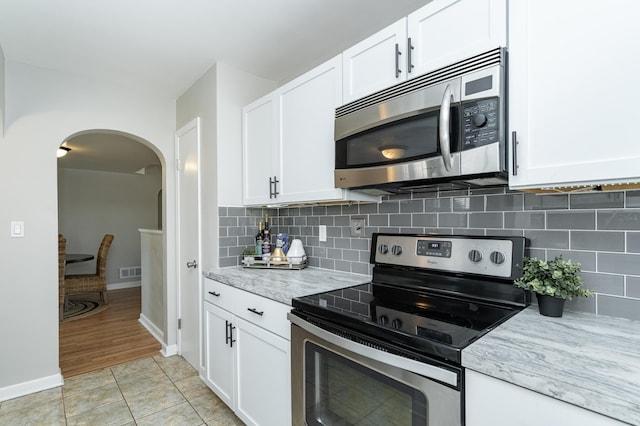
87 283
62 246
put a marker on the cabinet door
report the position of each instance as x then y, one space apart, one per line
489 401
263 394
219 355
259 149
573 92
376 62
447 31
307 113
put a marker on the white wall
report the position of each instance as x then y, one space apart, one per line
217 98
2 84
43 108
94 203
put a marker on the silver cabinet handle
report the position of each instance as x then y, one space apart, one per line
514 152
409 49
443 124
193 264
398 53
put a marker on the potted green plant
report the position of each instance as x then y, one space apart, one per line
553 282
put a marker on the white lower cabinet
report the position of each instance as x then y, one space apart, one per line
262 372
489 401
219 361
247 354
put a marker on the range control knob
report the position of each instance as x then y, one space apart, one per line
479 120
383 320
396 323
497 257
475 256
383 249
397 250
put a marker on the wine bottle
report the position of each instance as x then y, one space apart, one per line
266 237
259 240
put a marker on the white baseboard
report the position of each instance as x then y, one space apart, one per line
169 350
119 286
151 328
25 388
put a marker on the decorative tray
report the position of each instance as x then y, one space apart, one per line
249 261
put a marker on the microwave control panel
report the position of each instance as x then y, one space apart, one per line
480 123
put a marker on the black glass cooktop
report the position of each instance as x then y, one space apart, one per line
418 320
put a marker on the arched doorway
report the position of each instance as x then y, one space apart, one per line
108 183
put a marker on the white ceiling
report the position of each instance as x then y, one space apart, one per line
108 152
162 47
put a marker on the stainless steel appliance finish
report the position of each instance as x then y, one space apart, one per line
414 375
403 333
447 128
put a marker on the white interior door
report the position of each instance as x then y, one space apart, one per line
189 275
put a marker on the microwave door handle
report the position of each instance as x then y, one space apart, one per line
445 119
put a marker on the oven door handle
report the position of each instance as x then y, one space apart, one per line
444 125
422 368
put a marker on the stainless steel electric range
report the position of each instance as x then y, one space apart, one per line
389 352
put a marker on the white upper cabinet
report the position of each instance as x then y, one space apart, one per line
376 62
573 85
260 159
288 141
439 34
447 31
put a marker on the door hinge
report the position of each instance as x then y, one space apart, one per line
179 323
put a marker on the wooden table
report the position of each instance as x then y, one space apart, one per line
77 257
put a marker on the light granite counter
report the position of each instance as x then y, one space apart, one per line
284 285
586 360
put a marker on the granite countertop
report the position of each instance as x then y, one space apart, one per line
284 285
583 359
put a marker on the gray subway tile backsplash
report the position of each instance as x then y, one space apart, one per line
507 202
619 306
633 242
486 220
546 202
597 240
571 220
632 199
468 204
597 200
628 219
599 230
524 220
632 287
628 264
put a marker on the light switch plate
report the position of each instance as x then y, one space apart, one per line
17 229
322 233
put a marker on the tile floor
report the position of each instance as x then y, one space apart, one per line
151 391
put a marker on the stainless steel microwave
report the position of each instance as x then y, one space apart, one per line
445 129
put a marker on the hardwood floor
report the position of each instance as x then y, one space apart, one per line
108 338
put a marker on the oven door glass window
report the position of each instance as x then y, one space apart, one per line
404 140
339 391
